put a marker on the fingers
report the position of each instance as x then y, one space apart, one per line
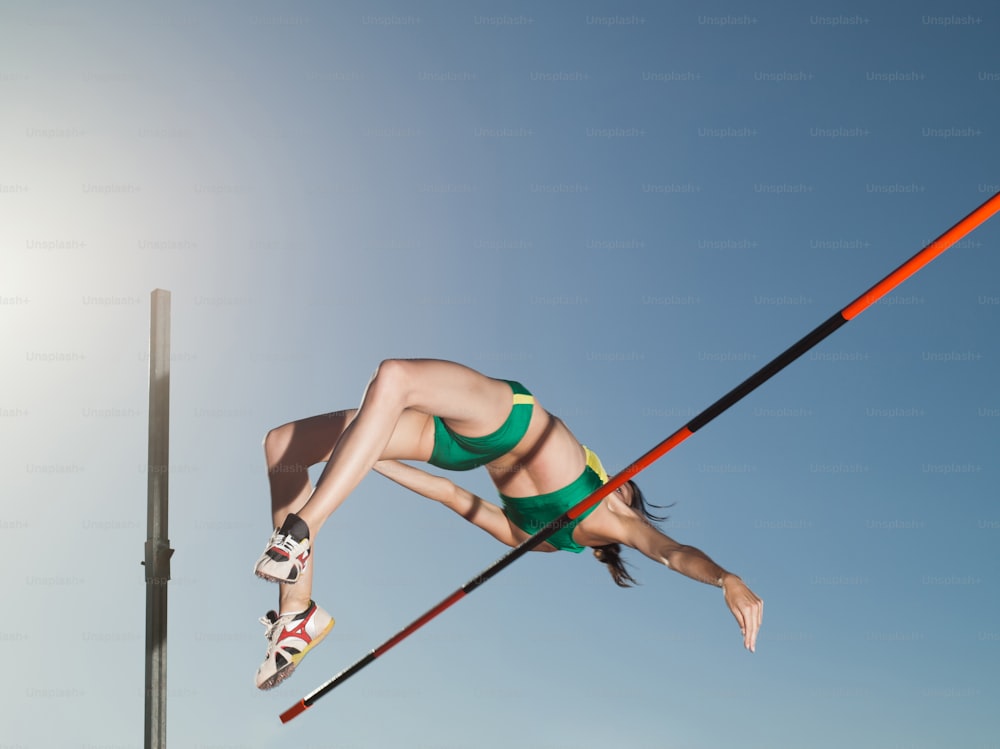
760 617
738 613
748 610
753 616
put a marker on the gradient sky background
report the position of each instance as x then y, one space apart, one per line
630 207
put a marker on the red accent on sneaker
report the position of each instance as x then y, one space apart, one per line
299 630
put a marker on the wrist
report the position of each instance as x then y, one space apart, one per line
726 578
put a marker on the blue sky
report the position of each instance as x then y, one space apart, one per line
630 207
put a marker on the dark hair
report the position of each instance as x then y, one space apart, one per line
610 554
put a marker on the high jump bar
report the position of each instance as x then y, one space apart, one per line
977 217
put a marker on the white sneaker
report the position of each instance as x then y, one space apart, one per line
284 559
289 638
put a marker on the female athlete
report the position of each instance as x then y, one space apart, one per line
454 418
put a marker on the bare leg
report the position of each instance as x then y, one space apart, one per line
290 450
476 403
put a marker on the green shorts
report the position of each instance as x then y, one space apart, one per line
531 514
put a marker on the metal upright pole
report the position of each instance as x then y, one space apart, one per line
158 549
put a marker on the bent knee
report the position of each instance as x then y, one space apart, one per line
390 384
276 443
392 371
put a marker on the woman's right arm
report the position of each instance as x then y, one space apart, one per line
476 510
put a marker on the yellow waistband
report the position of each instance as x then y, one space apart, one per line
522 398
594 463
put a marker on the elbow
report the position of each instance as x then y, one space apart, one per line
448 493
671 555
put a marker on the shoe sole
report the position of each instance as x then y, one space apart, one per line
273 579
284 673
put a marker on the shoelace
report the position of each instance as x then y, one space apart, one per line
277 537
270 627
286 542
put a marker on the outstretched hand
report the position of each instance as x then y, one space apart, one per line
746 607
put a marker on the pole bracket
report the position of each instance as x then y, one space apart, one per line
157 561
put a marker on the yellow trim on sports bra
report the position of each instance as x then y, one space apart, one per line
594 463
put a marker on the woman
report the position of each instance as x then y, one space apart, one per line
456 418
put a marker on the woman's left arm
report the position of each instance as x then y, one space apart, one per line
624 525
746 607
